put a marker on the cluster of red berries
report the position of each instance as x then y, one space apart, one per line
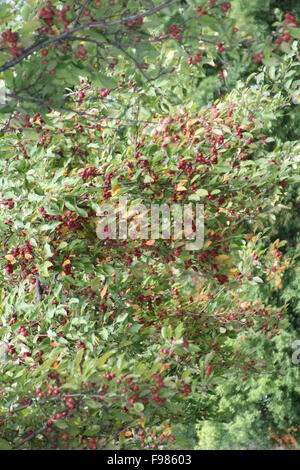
258 58
50 13
220 47
67 267
186 388
80 344
25 154
104 93
290 19
106 191
113 63
80 52
39 392
81 96
286 37
26 256
164 351
196 59
138 22
175 32
109 376
22 331
70 223
201 13
9 203
87 172
43 212
225 7
10 42
9 268
162 439
222 278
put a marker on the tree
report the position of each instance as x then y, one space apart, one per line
125 343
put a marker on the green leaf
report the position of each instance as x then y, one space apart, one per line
139 407
77 360
295 32
44 268
4 445
272 71
198 195
101 361
258 280
104 81
179 330
48 251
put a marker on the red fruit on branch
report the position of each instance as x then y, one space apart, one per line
290 19
9 269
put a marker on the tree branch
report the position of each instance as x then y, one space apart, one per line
84 4
96 24
38 290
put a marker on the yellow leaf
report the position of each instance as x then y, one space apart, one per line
182 143
103 292
223 259
65 263
276 243
234 272
167 430
11 259
150 242
191 122
28 256
245 305
116 190
180 185
143 421
164 367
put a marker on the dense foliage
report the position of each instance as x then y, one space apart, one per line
144 343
